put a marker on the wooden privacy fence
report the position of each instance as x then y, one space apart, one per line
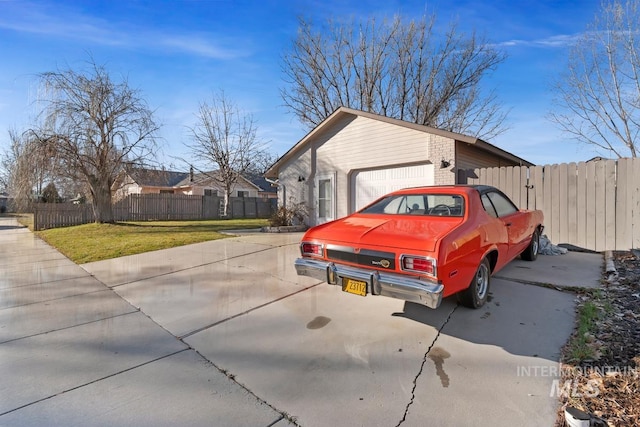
154 207
51 215
594 205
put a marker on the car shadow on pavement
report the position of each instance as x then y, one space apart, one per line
522 319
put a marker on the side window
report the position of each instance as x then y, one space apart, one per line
325 196
486 203
415 204
503 205
394 206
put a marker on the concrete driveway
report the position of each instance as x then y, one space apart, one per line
225 333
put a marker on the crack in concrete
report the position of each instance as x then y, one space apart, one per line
283 415
424 362
113 374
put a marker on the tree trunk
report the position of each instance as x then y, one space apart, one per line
227 197
102 209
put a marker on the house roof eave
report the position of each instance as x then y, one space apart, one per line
273 171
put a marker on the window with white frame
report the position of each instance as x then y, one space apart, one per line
326 195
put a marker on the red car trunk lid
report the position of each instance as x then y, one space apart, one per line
409 233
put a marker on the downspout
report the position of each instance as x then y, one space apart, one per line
279 185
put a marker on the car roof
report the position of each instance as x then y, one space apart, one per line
442 189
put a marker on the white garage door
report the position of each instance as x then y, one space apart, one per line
369 185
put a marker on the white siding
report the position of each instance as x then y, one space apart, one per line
293 190
350 145
361 143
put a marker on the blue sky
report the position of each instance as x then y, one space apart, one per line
177 53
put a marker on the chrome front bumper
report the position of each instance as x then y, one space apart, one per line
392 285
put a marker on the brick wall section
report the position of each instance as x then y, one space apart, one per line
443 148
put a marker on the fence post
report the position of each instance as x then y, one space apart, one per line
35 219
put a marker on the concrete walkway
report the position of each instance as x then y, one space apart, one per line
225 333
73 352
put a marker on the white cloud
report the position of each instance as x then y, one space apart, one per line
67 24
557 41
200 46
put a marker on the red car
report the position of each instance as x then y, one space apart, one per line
422 244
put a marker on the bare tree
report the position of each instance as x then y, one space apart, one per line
225 138
93 126
259 163
598 97
397 69
27 165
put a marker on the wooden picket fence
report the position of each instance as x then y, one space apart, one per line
593 205
153 207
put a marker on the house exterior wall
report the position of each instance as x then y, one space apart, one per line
359 143
443 149
355 143
197 190
352 143
293 181
470 157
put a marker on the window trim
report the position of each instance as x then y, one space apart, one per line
331 177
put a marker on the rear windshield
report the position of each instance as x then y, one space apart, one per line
418 204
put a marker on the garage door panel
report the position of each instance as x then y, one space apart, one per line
372 184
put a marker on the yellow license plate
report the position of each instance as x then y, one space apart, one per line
356 287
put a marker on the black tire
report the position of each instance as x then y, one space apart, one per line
531 253
478 291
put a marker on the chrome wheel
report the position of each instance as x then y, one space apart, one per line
482 281
476 294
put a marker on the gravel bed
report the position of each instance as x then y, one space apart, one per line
607 384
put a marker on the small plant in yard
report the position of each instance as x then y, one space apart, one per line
293 214
581 344
593 308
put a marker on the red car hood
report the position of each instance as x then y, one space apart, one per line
399 232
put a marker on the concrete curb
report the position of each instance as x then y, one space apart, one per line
285 229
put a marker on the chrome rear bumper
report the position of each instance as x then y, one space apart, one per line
392 285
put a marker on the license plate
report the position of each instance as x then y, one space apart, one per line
356 287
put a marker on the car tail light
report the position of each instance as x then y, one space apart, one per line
312 249
418 264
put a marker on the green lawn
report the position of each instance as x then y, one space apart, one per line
96 242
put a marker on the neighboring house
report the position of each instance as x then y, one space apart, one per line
151 181
354 157
267 189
